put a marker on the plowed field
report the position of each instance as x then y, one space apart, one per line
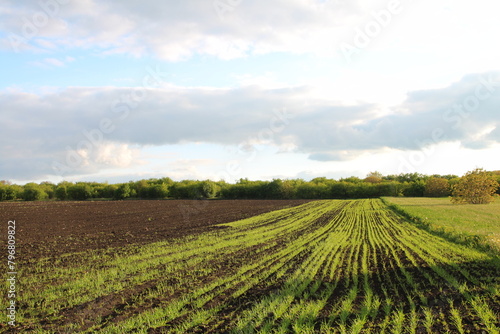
322 267
53 228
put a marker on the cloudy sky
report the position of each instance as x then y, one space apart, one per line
226 89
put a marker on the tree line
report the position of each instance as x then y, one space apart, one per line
374 185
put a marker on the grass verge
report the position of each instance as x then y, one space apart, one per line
470 225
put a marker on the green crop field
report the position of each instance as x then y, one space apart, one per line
473 219
322 267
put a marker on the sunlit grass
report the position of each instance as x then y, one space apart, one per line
473 219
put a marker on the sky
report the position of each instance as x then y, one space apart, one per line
228 89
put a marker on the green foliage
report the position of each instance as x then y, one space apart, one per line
496 175
323 267
289 188
142 188
437 187
80 191
339 190
103 190
408 177
123 191
3 191
310 190
9 192
158 191
375 185
414 189
209 189
49 188
244 189
352 179
186 189
375 174
447 177
475 187
34 192
61 191
14 192
274 189
373 179
346 190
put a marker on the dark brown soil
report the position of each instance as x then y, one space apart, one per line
52 228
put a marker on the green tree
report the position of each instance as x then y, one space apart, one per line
352 179
290 187
408 177
375 174
437 187
13 192
123 191
319 180
496 174
49 188
274 189
414 189
33 192
373 179
109 191
186 189
62 191
158 191
340 189
309 190
142 188
475 187
209 189
80 191
102 190
3 191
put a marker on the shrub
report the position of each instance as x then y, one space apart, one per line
33 192
62 192
475 187
3 192
80 191
13 192
123 191
158 191
415 189
209 189
437 187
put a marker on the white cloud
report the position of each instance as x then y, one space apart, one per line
188 169
114 155
53 62
108 133
176 30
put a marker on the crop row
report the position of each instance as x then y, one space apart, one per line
323 267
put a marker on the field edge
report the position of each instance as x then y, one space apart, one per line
476 241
